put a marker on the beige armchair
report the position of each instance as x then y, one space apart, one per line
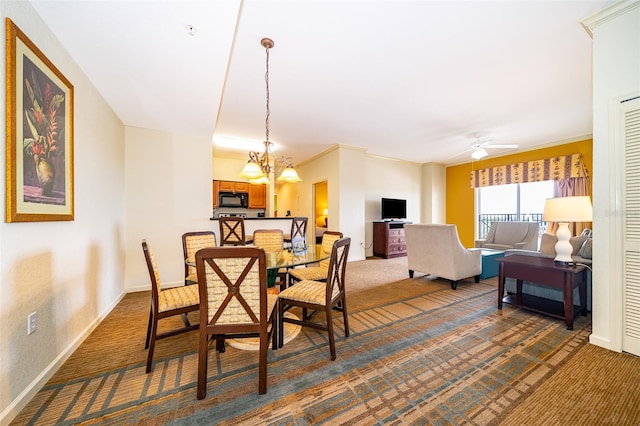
437 250
511 235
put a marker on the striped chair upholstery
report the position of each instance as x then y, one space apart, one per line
166 303
232 282
271 240
268 239
316 296
319 272
191 243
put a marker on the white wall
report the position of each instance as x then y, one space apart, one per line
388 178
70 273
434 193
616 74
168 193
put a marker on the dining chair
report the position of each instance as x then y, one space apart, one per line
166 303
271 240
319 272
191 243
298 232
232 231
317 296
234 303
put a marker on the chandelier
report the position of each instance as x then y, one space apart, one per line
259 166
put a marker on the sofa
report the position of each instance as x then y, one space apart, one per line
437 250
582 253
510 235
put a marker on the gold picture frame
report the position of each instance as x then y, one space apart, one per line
39 181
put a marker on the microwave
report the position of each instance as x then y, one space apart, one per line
233 199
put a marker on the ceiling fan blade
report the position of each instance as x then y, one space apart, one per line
501 146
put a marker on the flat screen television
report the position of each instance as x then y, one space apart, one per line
393 208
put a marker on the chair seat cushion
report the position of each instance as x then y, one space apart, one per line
310 273
178 297
306 291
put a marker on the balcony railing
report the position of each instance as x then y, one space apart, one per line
484 221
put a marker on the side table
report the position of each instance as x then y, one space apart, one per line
544 271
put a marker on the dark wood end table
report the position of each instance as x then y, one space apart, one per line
544 271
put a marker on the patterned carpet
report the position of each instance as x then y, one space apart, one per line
419 353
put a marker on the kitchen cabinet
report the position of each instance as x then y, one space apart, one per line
258 196
216 193
257 193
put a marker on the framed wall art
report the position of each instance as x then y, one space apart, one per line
39 181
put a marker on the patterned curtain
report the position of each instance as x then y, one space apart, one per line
568 172
556 168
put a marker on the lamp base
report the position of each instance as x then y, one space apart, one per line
563 246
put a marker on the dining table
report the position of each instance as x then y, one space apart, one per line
287 258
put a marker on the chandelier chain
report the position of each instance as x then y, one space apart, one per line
266 78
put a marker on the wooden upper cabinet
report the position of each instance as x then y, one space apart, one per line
241 186
216 193
230 186
257 196
225 185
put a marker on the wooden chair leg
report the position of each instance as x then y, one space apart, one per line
332 344
146 344
345 316
152 342
280 328
262 364
203 350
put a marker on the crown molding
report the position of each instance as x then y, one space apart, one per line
607 14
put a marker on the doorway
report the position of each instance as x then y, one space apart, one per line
320 209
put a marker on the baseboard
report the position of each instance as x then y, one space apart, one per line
14 408
602 342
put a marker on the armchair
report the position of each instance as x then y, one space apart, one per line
437 250
511 235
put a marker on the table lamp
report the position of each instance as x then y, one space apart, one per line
563 210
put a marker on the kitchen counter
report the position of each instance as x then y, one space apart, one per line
253 223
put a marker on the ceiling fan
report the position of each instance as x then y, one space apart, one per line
478 148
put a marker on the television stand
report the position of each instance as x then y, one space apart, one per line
388 238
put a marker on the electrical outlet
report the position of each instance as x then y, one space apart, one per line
32 322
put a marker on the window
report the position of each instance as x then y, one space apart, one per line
515 202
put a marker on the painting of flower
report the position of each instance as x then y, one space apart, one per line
39 183
44 137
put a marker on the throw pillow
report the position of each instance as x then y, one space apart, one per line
576 243
585 250
548 244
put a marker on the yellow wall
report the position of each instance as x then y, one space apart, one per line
460 197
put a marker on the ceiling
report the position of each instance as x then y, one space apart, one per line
410 80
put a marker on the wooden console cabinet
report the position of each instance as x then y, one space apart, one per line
388 239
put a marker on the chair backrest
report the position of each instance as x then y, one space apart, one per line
328 238
337 268
268 239
232 282
154 275
231 231
191 243
299 230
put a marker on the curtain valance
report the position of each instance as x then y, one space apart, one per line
556 168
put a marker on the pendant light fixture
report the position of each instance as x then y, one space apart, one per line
259 166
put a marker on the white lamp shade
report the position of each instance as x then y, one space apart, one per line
289 174
251 170
568 209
